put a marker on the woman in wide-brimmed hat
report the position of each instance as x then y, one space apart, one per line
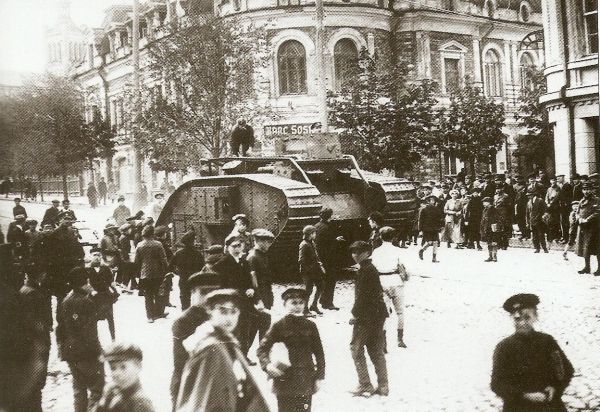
453 211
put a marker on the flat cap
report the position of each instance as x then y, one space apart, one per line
159 195
262 234
215 250
574 202
240 216
31 221
160 230
95 249
293 293
121 351
308 229
124 227
110 226
206 278
221 296
56 201
233 238
326 213
138 216
360 246
188 238
521 301
20 217
120 198
487 199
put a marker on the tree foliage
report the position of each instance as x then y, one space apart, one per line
209 67
471 126
531 115
384 120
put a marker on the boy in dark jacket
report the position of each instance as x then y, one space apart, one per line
489 229
296 379
164 291
125 393
311 269
77 336
431 220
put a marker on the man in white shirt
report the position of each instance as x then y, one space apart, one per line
387 259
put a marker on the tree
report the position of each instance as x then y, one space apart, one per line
537 144
471 127
102 136
384 120
53 136
209 67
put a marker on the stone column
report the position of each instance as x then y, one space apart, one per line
371 43
516 63
508 77
477 62
562 158
423 55
585 147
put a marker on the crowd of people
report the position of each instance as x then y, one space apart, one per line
226 296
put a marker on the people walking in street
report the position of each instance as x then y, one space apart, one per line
126 272
104 292
77 336
327 242
151 260
121 212
124 391
490 231
387 259
573 228
161 233
368 318
530 371
376 221
242 137
186 261
552 200
297 376
504 213
18 209
588 241
311 269
431 220
102 191
216 377
472 220
536 208
92 195
260 267
453 210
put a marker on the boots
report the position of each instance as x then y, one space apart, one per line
401 343
434 260
385 342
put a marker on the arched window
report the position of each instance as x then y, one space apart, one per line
489 8
493 74
345 58
291 65
524 65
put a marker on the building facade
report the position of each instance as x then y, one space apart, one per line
571 48
445 40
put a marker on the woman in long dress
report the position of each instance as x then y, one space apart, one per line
453 212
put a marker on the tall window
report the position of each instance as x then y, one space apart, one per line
493 74
451 74
590 17
345 56
291 65
525 64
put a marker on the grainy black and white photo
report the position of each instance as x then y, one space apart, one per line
299 205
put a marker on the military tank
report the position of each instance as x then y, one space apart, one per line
285 192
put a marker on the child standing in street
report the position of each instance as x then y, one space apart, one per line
573 227
125 392
296 379
489 229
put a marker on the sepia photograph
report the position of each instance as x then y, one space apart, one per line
299 205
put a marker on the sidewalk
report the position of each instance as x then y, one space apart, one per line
75 200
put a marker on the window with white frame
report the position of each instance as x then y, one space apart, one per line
451 74
492 70
452 62
525 65
590 17
345 60
291 67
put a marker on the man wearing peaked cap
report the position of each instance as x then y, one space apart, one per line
138 216
530 372
186 261
260 267
51 214
240 229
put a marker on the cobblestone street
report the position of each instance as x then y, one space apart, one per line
453 321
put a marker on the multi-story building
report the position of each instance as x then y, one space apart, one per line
445 40
571 48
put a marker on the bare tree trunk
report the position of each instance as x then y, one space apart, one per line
40 187
109 167
65 188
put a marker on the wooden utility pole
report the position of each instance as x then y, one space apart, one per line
138 202
320 60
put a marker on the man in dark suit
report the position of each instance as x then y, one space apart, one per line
51 214
151 259
186 261
19 209
235 274
577 188
327 244
536 208
368 317
565 197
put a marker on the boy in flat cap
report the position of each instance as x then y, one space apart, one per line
240 229
431 220
216 377
104 293
536 208
124 393
295 382
368 317
489 229
186 261
260 267
530 371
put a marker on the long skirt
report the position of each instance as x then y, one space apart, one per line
452 233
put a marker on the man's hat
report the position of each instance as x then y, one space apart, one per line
66 201
121 198
17 199
293 293
215 250
95 249
120 351
223 295
588 185
160 231
124 227
206 278
232 238
240 216
188 238
532 192
360 246
562 175
138 216
20 217
326 213
148 221
308 229
486 199
532 175
159 195
429 196
262 234
31 222
56 201
109 227
574 202
521 301
584 177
